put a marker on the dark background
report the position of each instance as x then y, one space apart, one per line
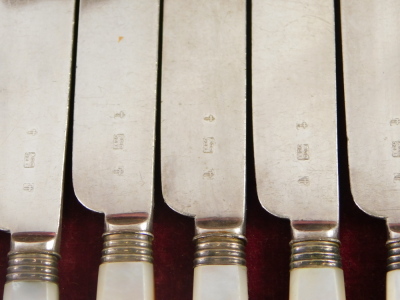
363 237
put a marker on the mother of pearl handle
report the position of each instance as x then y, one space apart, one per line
316 272
317 284
34 290
220 271
126 281
126 272
31 275
216 282
393 285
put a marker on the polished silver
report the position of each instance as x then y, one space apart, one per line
33 267
220 249
372 90
294 114
203 122
371 60
315 254
393 261
35 59
127 247
114 118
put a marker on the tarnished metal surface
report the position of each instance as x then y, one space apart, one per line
203 123
114 121
35 59
371 54
294 113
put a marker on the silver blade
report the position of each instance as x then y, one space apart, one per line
203 108
35 59
294 110
114 121
371 53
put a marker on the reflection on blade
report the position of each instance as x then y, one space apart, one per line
371 56
114 124
35 59
203 135
294 116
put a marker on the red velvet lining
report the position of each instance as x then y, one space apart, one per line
363 251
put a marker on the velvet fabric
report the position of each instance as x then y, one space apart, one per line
363 240
363 247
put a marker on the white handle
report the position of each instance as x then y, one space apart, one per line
22 290
393 285
317 284
125 281
216 282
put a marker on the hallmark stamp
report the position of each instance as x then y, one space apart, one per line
29 160
395 122
32 132
303 152
118 171
396 149
28 187
208 145
209 118
303 125
209 174
118 141
305 180
120 115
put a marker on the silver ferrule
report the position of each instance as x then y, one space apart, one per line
315 254
393 261
32 267
220 249
127 247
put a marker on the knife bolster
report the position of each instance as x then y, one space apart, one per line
220 267
220 249
315 254
33 257
30 267
127 247
126 271
393 261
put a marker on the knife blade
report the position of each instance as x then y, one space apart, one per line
35 59
371 75
203 123
113 147
295 148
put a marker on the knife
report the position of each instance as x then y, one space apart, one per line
35 59
295 148
113 146
203 131
371 58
